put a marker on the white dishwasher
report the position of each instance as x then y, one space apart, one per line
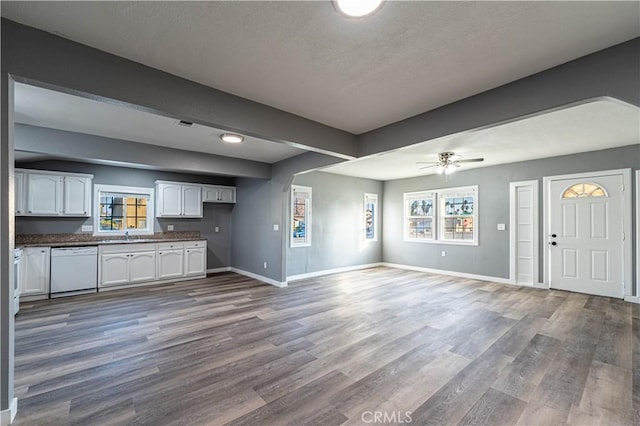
74 270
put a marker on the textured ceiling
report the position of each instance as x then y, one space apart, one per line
355 75
590 126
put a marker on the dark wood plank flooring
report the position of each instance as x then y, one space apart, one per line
341 349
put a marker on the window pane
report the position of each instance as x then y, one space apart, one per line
584 190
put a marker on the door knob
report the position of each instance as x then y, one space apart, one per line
553 235
553 243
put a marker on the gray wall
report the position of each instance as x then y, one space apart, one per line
218 244
491 256
337 227
261 204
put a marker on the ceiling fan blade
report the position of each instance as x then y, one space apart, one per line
426 162
471 160
427 167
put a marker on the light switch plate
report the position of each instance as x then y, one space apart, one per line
216 229
87 228
276 227
502 227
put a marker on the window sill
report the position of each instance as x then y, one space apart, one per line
445 242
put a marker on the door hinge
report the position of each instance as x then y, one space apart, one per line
623 236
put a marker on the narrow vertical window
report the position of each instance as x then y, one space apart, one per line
300 216
371 217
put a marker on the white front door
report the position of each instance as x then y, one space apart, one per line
586 235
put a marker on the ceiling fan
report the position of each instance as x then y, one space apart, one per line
447 162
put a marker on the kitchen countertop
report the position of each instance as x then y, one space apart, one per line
84 240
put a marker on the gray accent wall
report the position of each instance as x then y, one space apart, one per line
218 243
259 205
491 256
337 224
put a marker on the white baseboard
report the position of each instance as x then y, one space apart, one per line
8 416
331 271
218 270
451 273
632 299
543 286
259 277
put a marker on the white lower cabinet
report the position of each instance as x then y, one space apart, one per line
132 263
195 261
34 276
114 269
170 261
142 267
127 263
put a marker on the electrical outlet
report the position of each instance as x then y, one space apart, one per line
444 253
502 227
265 265
276 227
87 228
216 229
169 227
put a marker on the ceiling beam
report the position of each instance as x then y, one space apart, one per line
101 150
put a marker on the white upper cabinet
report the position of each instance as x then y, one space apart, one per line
218 194
192 200
77 196
43 193
169 196
19 192
176 199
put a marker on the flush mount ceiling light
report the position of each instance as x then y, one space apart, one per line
231 138
357 8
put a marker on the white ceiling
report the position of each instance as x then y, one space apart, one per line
587 127
355 75
56 110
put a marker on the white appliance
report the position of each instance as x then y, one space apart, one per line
17 256
74 270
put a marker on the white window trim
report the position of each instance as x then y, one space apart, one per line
438 194
442 193
434 217
97 189
307 225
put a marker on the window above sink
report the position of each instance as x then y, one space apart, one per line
122 210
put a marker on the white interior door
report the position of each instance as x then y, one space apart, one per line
586 235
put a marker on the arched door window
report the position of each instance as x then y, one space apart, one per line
583 190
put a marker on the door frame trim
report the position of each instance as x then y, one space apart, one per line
627 212
513 227
637 290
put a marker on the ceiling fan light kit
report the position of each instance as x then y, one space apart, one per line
448 163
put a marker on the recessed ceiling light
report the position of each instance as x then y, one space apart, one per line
231 138
357 8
